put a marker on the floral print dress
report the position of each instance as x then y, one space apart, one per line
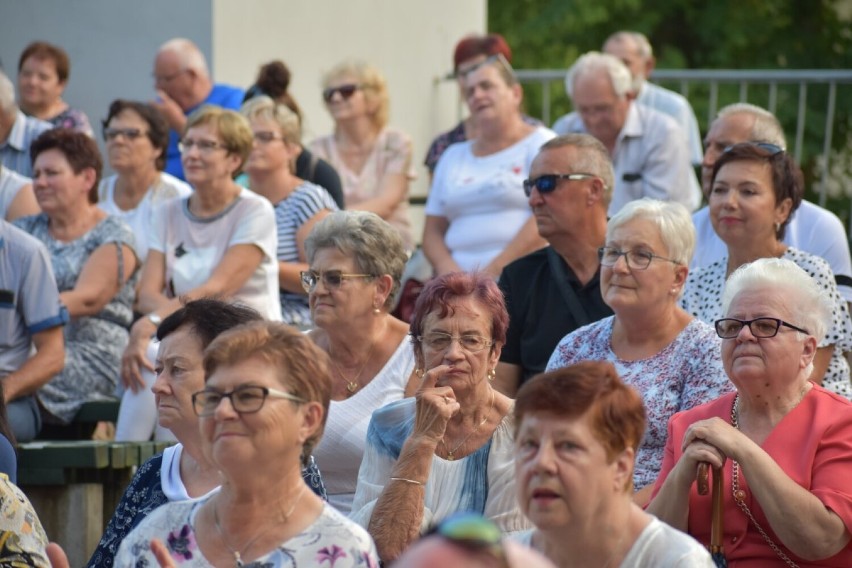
331 541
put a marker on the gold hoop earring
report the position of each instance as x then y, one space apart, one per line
492 374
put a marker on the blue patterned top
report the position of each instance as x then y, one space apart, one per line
685 373
482 482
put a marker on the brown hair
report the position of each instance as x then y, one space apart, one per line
44 50
79 150
616 411
158 128
787 178
301 366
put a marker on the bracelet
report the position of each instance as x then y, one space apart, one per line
411 481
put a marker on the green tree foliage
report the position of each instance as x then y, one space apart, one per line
722 34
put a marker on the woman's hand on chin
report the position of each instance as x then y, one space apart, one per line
435 405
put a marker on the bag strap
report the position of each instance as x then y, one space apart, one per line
560 276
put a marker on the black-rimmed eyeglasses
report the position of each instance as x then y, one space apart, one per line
636 259
549 182
245 400
729 328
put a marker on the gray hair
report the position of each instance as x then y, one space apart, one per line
809 306
593 158
594 62
265 108
372 242
188 54
672 219
766 127
7 94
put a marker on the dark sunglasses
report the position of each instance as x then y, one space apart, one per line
548 182
473 533
773 149
346 91
129 133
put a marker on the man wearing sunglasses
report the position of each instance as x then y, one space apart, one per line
182 81
554 290
648 148
811 229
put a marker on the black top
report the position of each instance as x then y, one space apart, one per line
539 316
318 171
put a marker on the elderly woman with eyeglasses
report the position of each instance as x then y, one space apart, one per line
136 137
356 261
477 216
219 241
667 355
577 431
756 189
299 204
372 158
449 448
262 410
783 443
182 471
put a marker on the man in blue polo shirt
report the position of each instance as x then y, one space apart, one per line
31 315
183 83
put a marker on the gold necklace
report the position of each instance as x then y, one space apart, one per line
352 385
451 453
237 556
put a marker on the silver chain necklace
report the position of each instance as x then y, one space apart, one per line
237 556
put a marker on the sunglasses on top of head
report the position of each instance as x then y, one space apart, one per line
346 91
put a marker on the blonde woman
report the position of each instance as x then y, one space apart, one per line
373 159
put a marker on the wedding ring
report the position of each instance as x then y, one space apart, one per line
446 399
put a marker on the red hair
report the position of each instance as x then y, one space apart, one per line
475 45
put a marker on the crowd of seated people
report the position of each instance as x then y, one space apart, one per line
588 342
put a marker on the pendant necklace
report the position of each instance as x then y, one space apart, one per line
451 453
237 556
353 385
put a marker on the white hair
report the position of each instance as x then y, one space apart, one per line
595 62
7 94
672 219
188 54
766 127
809 306
643 46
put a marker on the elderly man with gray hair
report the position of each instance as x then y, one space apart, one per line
635 51
183 83
17 131
648 148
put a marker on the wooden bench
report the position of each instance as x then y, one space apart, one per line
75 486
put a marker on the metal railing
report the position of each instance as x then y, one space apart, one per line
707 83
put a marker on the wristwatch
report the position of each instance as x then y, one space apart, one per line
154 318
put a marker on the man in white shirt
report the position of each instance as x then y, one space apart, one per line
635 51
812 228
648 148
